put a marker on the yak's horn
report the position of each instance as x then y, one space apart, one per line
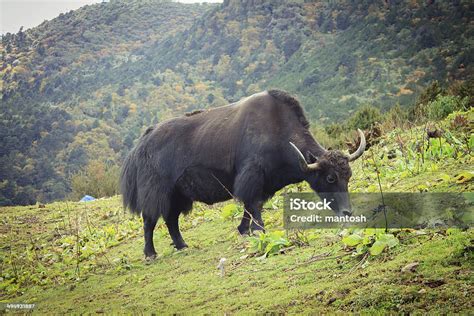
361 148
303 164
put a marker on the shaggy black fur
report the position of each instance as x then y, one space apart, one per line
338 161
292 103
240 150
194 112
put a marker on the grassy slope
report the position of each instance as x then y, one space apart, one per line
112 275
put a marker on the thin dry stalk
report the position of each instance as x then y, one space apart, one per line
78 249
360 263
377 171
316 258
252 219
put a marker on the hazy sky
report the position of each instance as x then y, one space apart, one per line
30 13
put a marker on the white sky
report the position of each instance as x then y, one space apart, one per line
30 13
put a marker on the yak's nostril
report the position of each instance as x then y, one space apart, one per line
349 213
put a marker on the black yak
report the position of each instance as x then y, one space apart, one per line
247 150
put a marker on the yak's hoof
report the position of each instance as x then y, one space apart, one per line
243 231
150 253
150 258
181 246
257 228
257 232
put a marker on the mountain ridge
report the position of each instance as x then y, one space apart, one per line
105 72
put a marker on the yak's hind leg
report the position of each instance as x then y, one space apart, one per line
149 223
172 222
154 205
248 188
179 204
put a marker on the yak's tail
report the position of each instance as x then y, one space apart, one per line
141 190
128 183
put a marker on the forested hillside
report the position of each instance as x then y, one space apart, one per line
79 89
59 108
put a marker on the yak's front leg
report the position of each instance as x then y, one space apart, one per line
248 188
252 219
244 227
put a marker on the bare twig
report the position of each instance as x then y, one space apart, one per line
381 192
316 258
106 258
78 249
252 219
402 149
87 222
423 144
34 248
11 255
236 266
68 218
416 235
282 250
360 263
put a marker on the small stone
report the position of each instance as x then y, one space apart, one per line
221 266
411 267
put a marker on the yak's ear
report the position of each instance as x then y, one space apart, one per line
310 158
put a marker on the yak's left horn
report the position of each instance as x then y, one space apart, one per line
303 164
361 148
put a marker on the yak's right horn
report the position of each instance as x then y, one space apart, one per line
361 148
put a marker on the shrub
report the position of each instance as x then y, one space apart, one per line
395 117
327 140
463 89
365 117
334 130
97 179
442 106
430 93
419 111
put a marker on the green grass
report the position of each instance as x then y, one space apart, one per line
188 280
87 257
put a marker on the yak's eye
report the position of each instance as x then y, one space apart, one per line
330 178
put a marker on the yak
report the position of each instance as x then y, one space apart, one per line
247 150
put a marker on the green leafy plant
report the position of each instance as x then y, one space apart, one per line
75 245
231 211
269 244
373 241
